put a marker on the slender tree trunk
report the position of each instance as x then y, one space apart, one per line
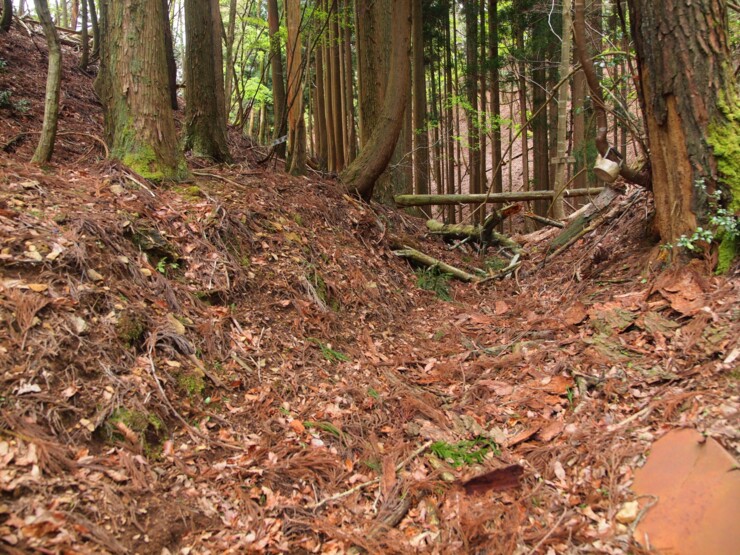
75 14
360 176
229 72
471 85
296 121
328 113
336 90
561 166
95 28
493 61
540 143
482 113
132 85
319 115
526 185
218 62
349 85
691 107
205 131
85 49
279 102
421 136
169 48
45 147
449 118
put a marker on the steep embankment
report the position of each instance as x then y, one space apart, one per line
241 363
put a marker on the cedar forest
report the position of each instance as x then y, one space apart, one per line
369 276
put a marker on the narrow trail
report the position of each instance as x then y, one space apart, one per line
240 364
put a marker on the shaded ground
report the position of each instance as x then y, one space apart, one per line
240 364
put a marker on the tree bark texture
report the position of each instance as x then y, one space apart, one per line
690 99
278 77
362 174
45 147
421 137
170 54
132 85
7 17
205 126
296 122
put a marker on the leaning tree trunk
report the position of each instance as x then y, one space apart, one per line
361 175
53 85
132 85
7 17
205 130
691 107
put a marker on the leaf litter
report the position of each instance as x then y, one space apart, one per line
241 364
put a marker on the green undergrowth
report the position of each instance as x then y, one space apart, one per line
432 279
465 452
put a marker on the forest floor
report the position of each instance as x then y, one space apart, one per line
241 364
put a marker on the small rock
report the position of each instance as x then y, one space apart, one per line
117 190
628 512
145 271
95 275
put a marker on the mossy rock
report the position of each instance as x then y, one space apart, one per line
191 382
131 328
149 428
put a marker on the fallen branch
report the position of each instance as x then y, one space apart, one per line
484 235
363 485
430 262
439 200
543 220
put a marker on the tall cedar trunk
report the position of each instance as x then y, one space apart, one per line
561 167
229 71
7 18
95 28
328 114
349 85
421 137
692 108
170 54
493 61
482 113
53 84
205 131
279 102
218 61
540 144
522 69
85 53
360 176
132 85
458 129
296 121
449 120
65 14
75 12
471 85
436 158
336 89
343 106
319 116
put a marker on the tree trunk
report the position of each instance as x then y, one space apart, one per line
296 123
360 176
336 90
349 84
421 137
85 49
471 86
205 132
132 85
278 80
319 115
229 72
561 166
7 17
449 118
95 28
540 144
169 53
526 185
53 85
692 108
493 61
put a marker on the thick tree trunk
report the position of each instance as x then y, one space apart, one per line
7 17
360 176
692 108
205 132
540 142
53 85
278 80
132 85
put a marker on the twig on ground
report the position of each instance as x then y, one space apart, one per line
549 533
363 485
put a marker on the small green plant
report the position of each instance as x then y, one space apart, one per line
724 226
372 393
163 266
3 65
432 279
22 106
571 396
5 101
325 426
329 354
465 452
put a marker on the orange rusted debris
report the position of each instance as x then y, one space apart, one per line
697 488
